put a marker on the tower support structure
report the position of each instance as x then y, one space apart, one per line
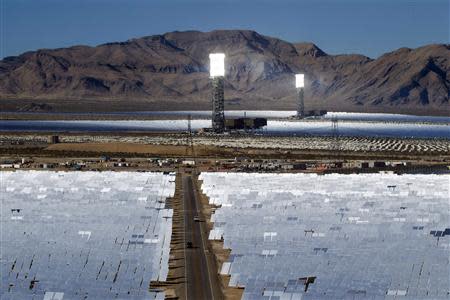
218 106
301 103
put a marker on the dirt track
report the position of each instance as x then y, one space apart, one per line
70 149
193 271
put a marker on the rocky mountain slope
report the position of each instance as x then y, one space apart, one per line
171 71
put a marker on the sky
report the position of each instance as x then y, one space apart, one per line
369 27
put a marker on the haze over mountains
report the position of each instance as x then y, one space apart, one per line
170 71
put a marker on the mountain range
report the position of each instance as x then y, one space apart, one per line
171 71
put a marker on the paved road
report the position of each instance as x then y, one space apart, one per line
201 281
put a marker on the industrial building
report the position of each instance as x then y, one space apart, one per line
245 123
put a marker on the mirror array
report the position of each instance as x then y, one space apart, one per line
313 127
309 236
84 235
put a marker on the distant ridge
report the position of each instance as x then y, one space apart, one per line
171 71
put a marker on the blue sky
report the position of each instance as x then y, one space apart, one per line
369 27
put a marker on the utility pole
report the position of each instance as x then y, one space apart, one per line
190 138
336 143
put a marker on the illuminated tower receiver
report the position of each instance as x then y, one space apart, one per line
300 85
217 73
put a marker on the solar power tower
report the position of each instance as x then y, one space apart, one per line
300 85
217 74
